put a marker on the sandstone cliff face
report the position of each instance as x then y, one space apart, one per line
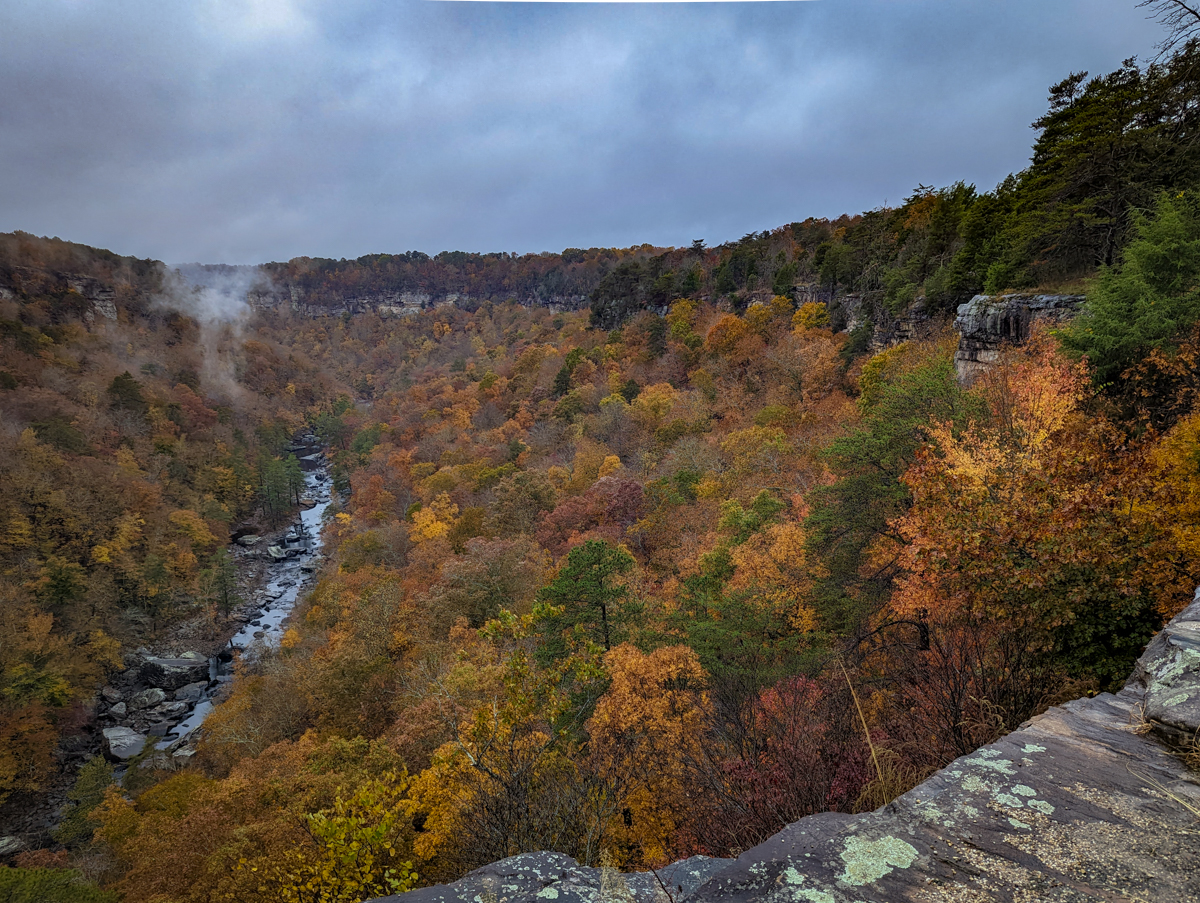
98 298
386 304
1085 802
988 322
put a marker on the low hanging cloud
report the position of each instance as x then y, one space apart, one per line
217 297
244 131
216 294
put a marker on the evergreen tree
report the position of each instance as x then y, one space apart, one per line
849 516
218 582
95 777
585 599
1151 299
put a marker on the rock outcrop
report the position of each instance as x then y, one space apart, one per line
387 303
90 297
1089 801
987 323
173 673
123 742
556 878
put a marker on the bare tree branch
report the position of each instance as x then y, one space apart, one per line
1182 21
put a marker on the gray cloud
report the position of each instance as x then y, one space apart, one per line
248 130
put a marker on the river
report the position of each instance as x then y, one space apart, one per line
288 577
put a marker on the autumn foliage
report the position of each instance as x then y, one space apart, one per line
630 593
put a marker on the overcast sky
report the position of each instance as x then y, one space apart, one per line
241 131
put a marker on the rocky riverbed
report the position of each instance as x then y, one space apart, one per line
164 698
163 694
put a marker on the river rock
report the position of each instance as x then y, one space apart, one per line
192 692
160 761
249 540
172 673
147 698
119 710
170 710
123 742
112 695
10 845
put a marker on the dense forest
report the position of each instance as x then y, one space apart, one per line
631 582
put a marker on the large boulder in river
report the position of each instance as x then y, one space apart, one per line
173 673
147 698
123 742
192 692
169 710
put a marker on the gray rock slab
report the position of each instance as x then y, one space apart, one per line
147 698
10 844
173 673
1082 803
123 742
169 710
1168 677
192 692
987 323
557 878
1079 805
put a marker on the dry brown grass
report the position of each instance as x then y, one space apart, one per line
893 776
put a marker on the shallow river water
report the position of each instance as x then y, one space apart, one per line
277 599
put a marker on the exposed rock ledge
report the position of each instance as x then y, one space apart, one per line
1082 803
988 322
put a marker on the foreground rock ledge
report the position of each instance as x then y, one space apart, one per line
1082 803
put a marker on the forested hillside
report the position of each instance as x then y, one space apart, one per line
134 436
633 582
